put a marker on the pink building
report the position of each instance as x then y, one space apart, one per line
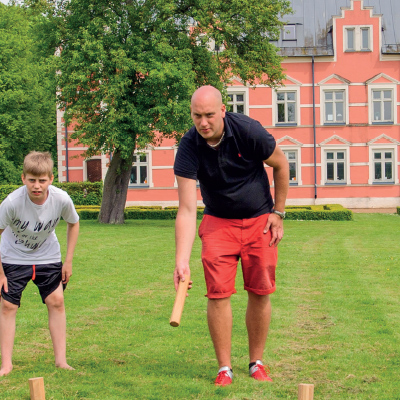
337 117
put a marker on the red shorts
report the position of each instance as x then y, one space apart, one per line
224 241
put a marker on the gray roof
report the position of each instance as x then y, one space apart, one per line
313 20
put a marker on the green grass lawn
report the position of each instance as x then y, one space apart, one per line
336 319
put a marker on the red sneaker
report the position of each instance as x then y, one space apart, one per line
224 377
260 372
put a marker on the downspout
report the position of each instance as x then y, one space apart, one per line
66 146
314 129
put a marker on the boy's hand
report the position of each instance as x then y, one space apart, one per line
66 271
3 283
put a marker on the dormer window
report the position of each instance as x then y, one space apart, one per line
357 38
289 32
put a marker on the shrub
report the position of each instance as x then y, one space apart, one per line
150 214
332 212
5 190
143 208
83 193
88 214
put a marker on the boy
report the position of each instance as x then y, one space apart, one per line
30 249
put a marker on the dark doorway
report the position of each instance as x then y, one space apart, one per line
94 170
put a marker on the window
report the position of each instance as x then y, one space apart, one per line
236 103
139 170
383 162
350 33
365 39
292 158
289 32
357 38
382 106
334 107
335 166
286 107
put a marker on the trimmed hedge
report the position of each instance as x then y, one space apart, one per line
143 208
398 210
85 214
136 212
81 193
331 212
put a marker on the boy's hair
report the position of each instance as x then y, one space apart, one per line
38 163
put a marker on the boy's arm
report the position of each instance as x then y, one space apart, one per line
72 238
3 279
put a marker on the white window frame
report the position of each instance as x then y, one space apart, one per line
382 148
382 87
286 89
149 182
234 102
297 150
232 90
357 38
324 167
334 102
334 88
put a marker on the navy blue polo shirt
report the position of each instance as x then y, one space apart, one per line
233 181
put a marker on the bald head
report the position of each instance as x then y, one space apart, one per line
206 94
208 112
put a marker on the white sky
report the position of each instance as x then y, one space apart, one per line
4 1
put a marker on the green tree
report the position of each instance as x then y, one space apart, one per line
128 70
27 92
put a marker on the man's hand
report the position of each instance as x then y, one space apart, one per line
179 275
275 224
66 271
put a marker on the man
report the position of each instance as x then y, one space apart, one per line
226 153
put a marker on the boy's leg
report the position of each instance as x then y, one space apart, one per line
57 326
8 312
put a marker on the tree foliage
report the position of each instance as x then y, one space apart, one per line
27 91
128 69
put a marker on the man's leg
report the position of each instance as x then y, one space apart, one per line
219 315
57 326
8 312
258 317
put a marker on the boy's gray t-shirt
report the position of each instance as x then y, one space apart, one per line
29 236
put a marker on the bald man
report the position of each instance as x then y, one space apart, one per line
226 153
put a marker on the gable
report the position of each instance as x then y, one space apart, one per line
335 140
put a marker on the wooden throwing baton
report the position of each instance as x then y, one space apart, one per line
179 302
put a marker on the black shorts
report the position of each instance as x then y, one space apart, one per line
46 277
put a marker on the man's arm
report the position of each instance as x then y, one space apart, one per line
72 238
3 279
280 167
185 227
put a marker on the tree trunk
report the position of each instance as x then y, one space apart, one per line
115 190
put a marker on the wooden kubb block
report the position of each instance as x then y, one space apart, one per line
306 391
36 387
